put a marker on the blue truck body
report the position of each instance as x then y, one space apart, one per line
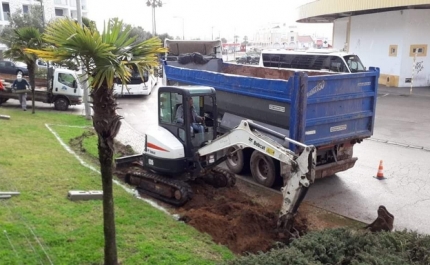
329 111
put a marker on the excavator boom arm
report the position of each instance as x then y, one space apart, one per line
298 171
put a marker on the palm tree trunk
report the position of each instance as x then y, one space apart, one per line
107 123
31 73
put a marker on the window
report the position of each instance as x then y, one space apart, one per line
25 9
393 51
66 79
59 12
169 104
61 2
419 50
6 11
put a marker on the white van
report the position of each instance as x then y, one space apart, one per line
312 60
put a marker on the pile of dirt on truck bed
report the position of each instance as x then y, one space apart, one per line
234 219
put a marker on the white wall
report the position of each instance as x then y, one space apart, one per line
417 23
371 36
339 36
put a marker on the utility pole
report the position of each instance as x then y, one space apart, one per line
84 77
47 63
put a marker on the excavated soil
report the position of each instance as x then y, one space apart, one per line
243 217
235 219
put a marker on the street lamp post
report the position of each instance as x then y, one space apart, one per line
47 63
84 81
183 35
153 4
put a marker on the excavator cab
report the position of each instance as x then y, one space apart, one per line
181 109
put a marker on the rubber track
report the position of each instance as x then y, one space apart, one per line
183 187
231 178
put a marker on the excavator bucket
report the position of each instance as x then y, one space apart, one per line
297 179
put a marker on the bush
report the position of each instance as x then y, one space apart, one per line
41 72
345 246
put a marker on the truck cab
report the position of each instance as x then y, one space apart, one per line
66 89
175 138
62 88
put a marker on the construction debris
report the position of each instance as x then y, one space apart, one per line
384 221
4 195
79 195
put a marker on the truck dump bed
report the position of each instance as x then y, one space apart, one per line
317 108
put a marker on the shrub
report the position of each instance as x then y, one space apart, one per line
345 246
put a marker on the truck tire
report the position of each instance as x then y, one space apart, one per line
239 162
61 103
263 169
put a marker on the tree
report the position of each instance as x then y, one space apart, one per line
23 38
105 57
140 34
235 38
34 18
223 40
91 24
245 40
164 36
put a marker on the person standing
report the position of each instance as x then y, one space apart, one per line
21 84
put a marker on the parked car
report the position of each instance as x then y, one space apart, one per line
243 59
7 67
255 60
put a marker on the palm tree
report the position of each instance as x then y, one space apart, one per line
105 57
20 40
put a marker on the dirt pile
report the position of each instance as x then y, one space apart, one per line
234 219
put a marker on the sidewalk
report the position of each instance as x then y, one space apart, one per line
404 91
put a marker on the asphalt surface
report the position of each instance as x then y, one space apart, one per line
401 140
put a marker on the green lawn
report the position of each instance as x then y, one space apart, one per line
41 224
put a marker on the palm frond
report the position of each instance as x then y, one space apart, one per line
105 55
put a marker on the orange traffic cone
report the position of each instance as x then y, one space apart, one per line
380 174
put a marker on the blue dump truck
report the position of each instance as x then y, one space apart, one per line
332 111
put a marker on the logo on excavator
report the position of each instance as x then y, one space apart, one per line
259 145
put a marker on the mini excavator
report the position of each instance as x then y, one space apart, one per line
175 153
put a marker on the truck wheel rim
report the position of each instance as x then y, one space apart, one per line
233 158
262 169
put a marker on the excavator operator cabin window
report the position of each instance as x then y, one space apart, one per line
165 108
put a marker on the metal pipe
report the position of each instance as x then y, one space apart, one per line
253 125
9 193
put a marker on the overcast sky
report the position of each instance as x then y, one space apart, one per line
227 17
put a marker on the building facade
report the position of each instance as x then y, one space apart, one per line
392 35
281 36
52 8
